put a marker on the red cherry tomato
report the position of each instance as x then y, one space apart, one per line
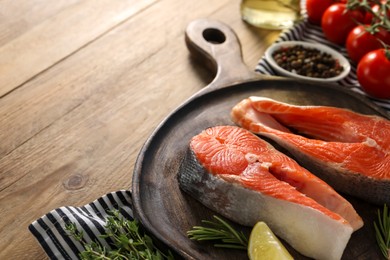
316 8
369 16
360 42
383 35
373 74
337 22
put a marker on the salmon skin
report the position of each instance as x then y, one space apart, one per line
244 178
348 150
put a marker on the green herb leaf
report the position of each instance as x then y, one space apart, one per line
382 231
129 241
220 231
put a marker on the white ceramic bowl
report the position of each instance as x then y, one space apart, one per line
323 48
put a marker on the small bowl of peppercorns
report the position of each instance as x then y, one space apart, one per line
307 61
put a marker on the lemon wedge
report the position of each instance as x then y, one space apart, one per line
263 244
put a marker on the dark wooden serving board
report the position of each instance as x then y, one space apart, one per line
161 206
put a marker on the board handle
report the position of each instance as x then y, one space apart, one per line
217 46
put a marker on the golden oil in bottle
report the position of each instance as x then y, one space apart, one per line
270 14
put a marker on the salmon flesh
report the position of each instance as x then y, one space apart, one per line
242 177
348 150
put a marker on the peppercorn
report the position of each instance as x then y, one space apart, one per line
308 62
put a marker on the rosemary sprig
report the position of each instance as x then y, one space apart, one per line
221 231
382 231
129 242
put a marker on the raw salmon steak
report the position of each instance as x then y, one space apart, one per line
242 177
348 150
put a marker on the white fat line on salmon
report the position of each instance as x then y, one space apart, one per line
253 158
372 143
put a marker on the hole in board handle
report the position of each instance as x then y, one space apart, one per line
215 36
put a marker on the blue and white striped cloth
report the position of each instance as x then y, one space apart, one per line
51 233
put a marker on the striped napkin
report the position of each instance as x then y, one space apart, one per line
49 230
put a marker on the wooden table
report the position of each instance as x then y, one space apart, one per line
82 85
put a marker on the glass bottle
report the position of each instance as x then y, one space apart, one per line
270 14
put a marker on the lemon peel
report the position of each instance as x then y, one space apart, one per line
263 244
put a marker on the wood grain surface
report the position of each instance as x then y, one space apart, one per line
82 86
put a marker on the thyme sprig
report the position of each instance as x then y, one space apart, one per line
220 231
129 241
382 231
